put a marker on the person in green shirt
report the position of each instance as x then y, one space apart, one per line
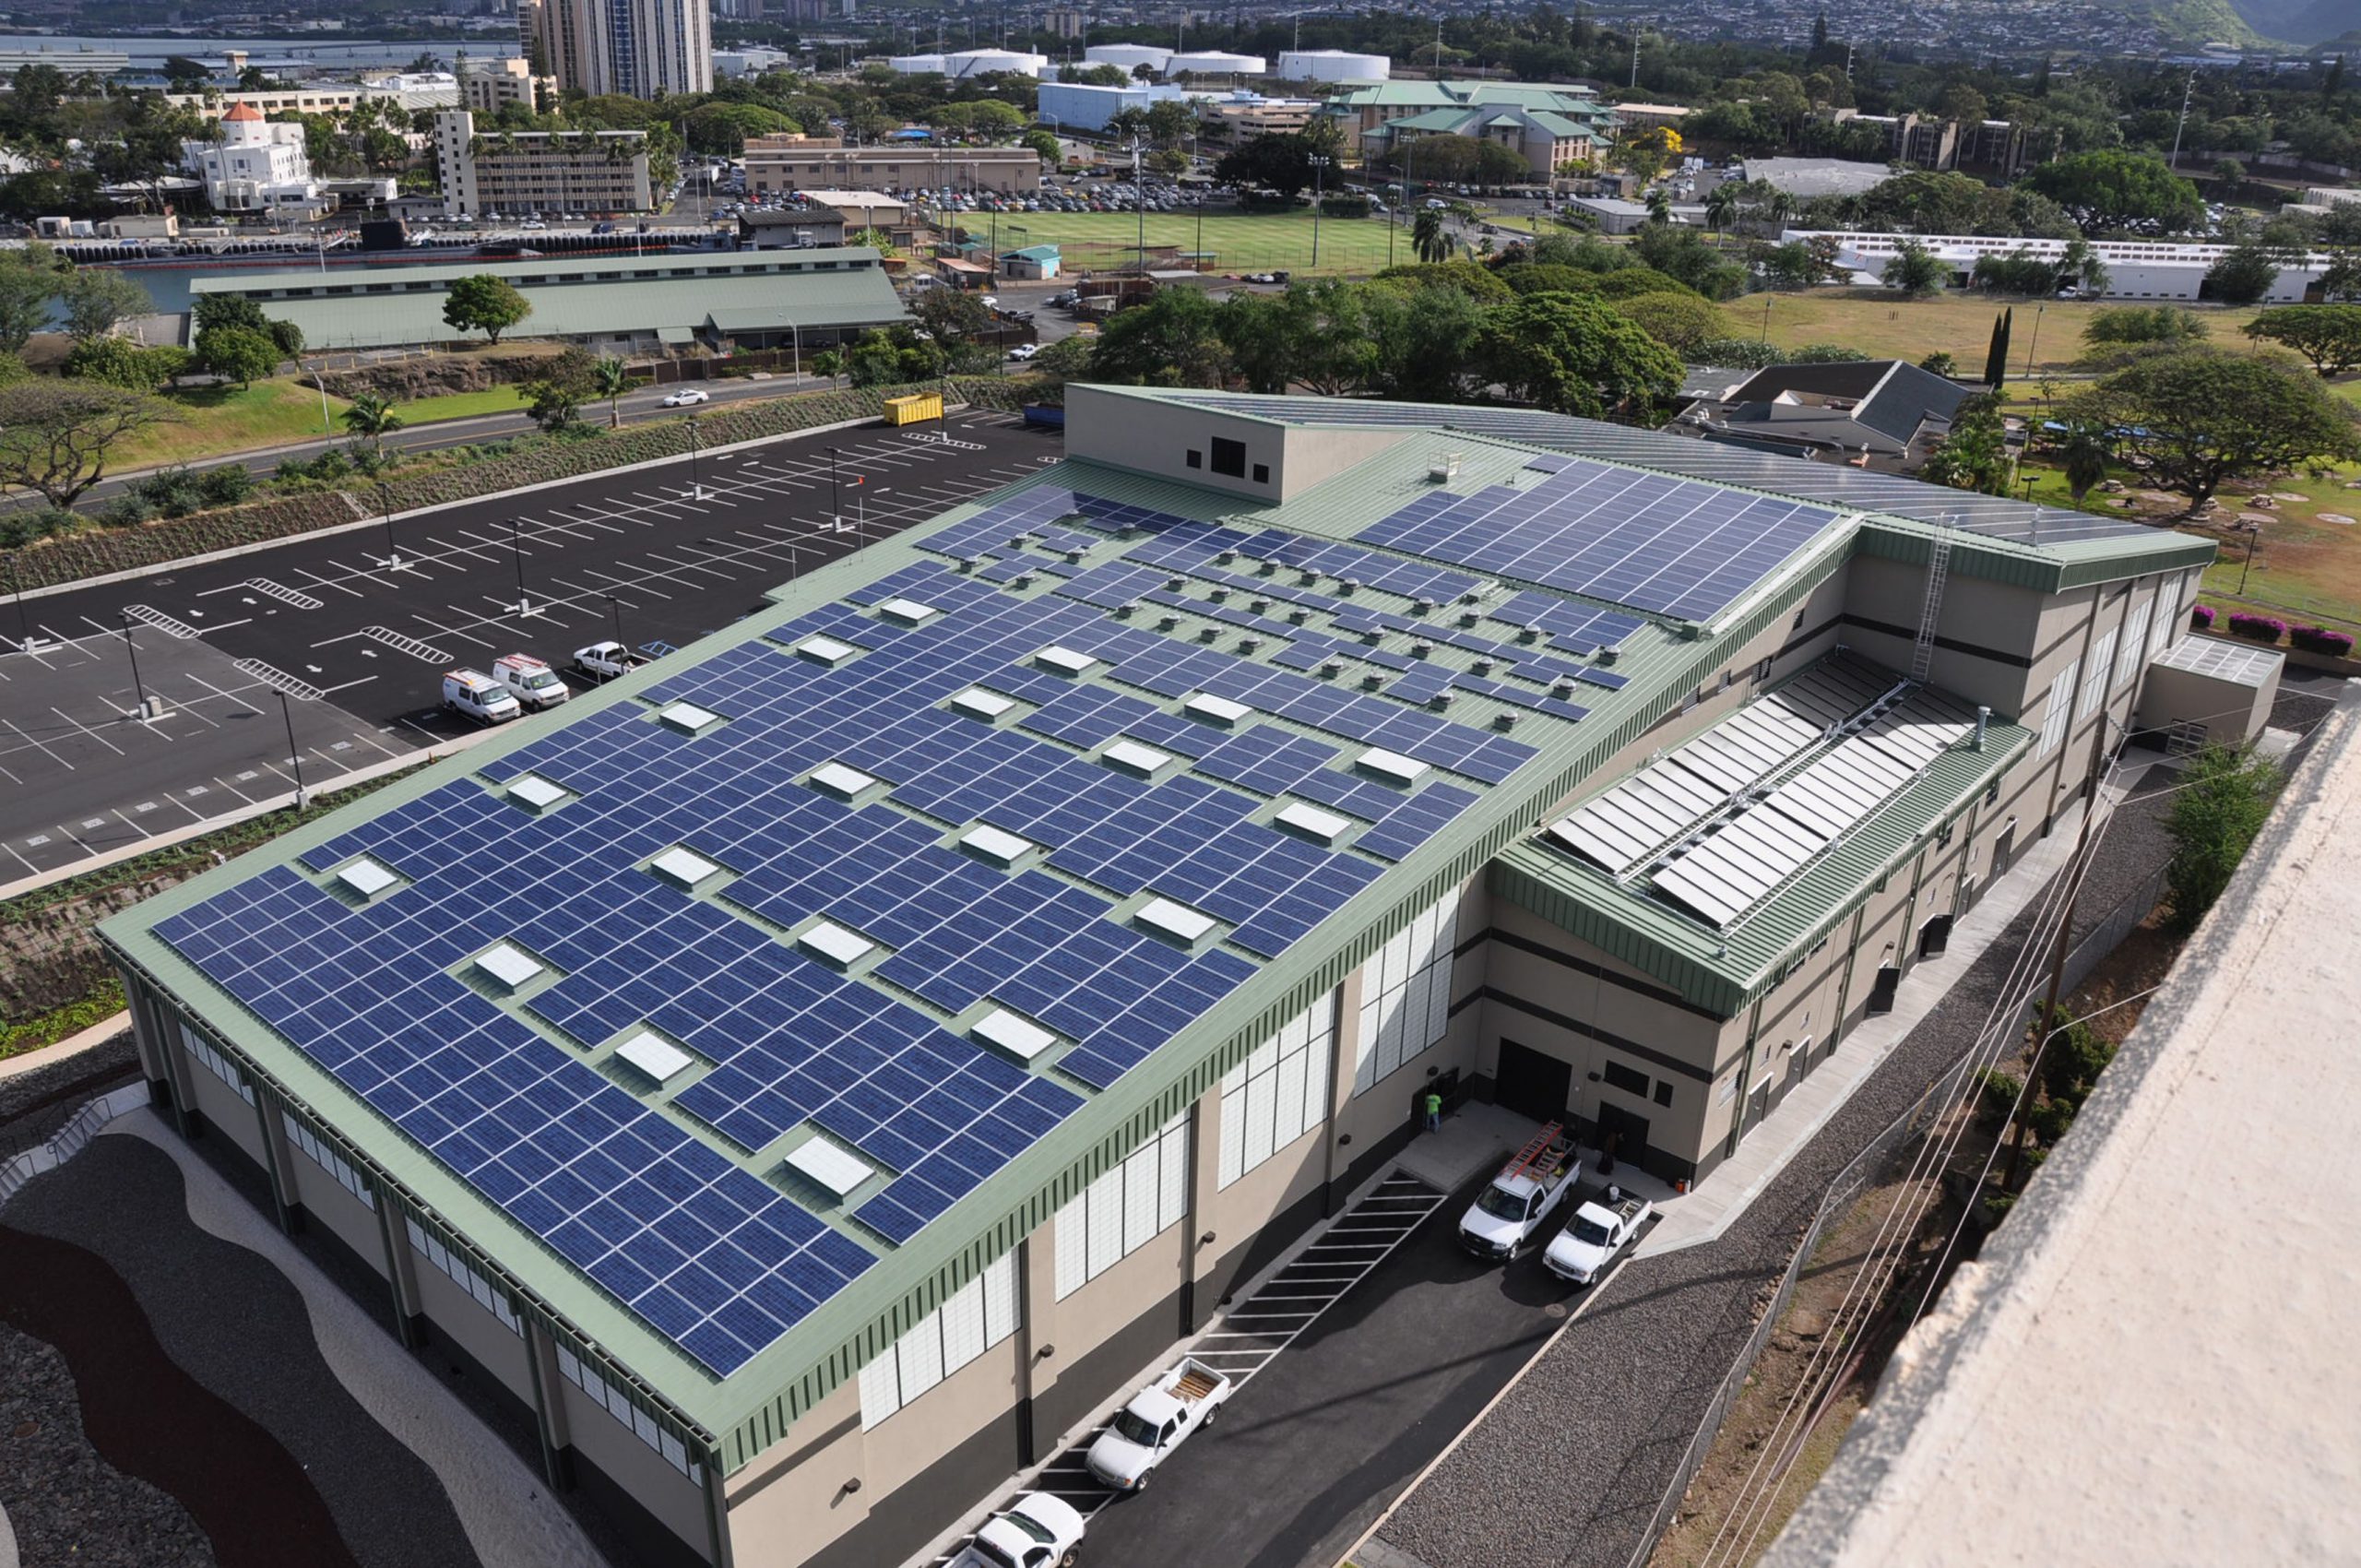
1433 1106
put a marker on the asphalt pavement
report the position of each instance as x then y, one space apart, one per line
361 646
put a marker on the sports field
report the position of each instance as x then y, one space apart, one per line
1883 325
1259 243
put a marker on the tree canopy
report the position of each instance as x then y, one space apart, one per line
484 302
2112 191
1572 355
2202 416
55 437
2328 336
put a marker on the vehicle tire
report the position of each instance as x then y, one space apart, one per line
1140 1485
1210 1416
1074 1555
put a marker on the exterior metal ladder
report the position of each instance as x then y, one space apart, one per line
1939 568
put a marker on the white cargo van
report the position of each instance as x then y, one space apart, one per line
530 681
478 697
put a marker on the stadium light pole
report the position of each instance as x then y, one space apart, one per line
1139 204
1319 169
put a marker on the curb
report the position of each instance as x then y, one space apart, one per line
106 1030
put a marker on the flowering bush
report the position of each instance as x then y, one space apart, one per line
2200 617
2320 639
2260 629
131 544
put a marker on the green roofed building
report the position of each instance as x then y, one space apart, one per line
1366 111
751 299
848 1050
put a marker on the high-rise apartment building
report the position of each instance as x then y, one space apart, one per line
638 48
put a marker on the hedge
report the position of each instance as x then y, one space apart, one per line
2256 628
2200 617
2320 639
92 552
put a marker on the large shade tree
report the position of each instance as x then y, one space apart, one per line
58 437
2201 417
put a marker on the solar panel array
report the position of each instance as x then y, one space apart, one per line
521 1094
1651 541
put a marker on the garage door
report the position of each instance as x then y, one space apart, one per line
1532 1085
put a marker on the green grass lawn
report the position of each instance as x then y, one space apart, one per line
1260 242
461 405
1886 326
231 419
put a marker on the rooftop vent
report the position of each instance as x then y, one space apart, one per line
977 702
688 717
1321 827
831 1167
838 946
826 650
1020 1036
1133 757
1216 710
684 868
509 965
1003 848
1178 921
654 1056
1065 660
844 783
532 789
908 612
366 877
1391 766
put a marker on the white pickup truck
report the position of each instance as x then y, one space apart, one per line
1155 1422
1505 1215
1600 1230
1038 1531
605 662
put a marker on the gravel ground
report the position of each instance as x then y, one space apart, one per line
236 1325
64 1503
1615 1401
37 1101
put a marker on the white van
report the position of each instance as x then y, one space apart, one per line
530 681
478 697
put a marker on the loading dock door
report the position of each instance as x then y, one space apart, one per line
1881 993
1532 1085
1934 936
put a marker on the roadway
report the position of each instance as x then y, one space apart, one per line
361 646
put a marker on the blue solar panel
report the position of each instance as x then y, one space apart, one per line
672 1224
1672 546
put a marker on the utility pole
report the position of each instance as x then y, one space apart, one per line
1635 55
2034 341
1319 168
2182 124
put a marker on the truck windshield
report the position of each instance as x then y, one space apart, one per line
1590 1231
1031 1526
537 680
1501 1204
1132 1429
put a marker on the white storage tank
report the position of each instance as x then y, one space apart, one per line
1127 56
1214 63
1334 66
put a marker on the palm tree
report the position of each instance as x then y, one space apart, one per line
1721 206
613 378
372 418
1659 206
1429 239
2084 456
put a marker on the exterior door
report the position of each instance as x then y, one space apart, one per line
1934 936
1622 1134
2004 850
1531 1083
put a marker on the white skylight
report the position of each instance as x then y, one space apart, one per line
977 702
683 866
1064 660
826 650
508 964
1177 920
1214 709
653 1055
536 791
1133 757
837 944
841 781
688 716
1313 823
366 877
1391 766
908 612
1020 1036
831 1167
993 844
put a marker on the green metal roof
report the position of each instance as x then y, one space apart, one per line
834 286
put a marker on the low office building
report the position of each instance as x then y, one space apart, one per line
2136 269
803 1077
1087 107
523 173
790 229
1241 116
1886 415
783 165
254 165
1544 139
1364 112
620 303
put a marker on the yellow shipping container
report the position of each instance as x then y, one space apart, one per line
912 409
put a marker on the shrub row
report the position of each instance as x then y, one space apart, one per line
2320 639
2200 618
88 552
2256 628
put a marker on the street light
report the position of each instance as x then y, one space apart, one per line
1319 168
517 551
392 562
294 756
2246 563
615 608
139 689
835 494
696 489
26 641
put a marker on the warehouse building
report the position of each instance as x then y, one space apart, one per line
619 302
807 1076
782 165
2136 269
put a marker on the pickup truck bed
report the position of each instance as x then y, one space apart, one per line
1194 1384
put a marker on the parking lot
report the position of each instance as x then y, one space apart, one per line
1359 1358
653 556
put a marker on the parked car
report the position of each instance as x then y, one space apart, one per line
1024 350
686 396
1037 1531
1506 1214
1159 1417
1599 1231
606 660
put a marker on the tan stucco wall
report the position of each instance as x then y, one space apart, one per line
618 1454
325 1200
471 1326
791 1500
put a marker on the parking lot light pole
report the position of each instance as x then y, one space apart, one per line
516 551
696 488
392 562
835 494
138 689
26 641
615 608
294 756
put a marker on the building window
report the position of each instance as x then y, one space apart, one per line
328 1160
1406 997
1621 1077
611 1398
1262 473
2059 710
465 1275
1124 1209
1230 458
1664 1092
2094 679
978 1316
2129 659
1278 1093
220 1066
1197 458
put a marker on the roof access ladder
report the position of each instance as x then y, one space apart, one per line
1939 570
